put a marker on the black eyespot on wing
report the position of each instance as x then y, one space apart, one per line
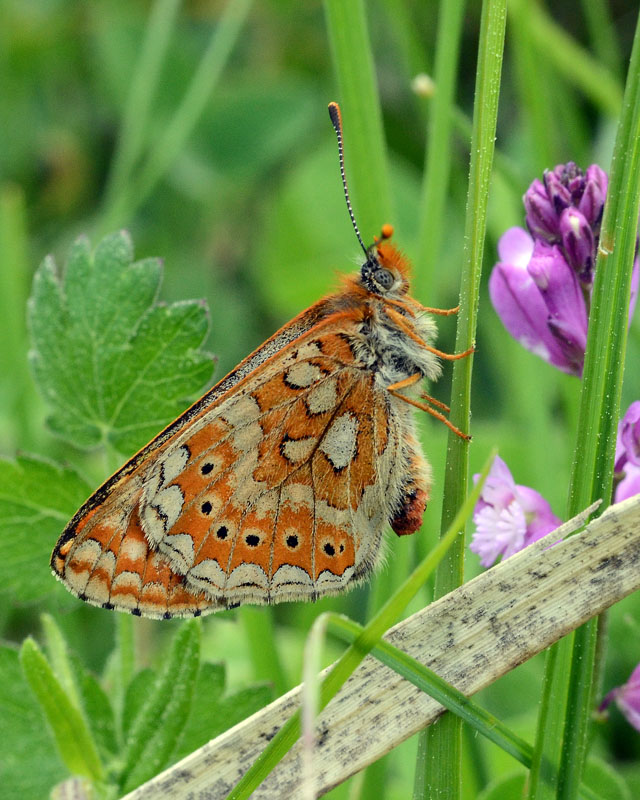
222 532
205 469
329 549
206 507
292 541
252 540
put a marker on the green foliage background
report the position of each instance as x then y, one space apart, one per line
240 197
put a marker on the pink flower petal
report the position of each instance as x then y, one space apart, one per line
515 246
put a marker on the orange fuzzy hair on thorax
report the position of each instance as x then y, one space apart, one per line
389 256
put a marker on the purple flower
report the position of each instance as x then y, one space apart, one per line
578 243
627 698
508 517
539 300
627 463
629 432
541 287
563 187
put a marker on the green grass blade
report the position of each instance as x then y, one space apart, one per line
570 60
365 150
602 33
536 96
592 473
438 159
144 84
186 116
443 751
71 733
16 387
371 634
261 639
429 682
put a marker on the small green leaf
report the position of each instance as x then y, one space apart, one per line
113 365
29 765
74 740
156 729
37 497
58 655
201 727
211 714
136 697
97 709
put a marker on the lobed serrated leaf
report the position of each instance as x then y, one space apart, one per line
113 365
73 738
37 497
154 734
29 765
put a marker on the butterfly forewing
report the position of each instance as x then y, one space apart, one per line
279 489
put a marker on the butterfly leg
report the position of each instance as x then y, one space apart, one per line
449 356
435 402
402 324
442 312
410 381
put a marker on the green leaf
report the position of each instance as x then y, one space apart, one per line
29 765
37 497
98 710
59 658
156 729
220 714
113 365
137 695
73 738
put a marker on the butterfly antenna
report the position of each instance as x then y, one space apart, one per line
336 121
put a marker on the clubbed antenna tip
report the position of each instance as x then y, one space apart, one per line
336 121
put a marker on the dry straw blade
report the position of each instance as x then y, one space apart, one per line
470 637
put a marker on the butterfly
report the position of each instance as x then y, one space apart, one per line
279 482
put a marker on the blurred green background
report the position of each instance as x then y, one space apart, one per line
245 207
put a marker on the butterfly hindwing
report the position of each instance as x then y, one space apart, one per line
279 490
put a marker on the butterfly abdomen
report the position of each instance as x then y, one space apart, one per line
408 518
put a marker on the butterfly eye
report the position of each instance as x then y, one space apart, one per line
384 278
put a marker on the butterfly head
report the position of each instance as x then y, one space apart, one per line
385 272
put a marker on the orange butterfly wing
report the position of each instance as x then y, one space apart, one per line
277 485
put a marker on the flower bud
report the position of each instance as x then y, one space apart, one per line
578 243
591 203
